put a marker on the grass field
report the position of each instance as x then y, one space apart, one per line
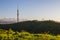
11 35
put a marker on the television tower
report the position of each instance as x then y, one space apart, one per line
17 14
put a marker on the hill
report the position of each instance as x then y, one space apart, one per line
34 26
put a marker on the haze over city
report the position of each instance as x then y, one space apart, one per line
31 9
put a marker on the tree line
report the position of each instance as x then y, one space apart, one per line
34 26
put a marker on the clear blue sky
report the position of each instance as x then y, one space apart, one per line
48 9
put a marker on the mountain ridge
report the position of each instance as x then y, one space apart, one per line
10 20
34 26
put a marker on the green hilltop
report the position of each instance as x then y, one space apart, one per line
34 26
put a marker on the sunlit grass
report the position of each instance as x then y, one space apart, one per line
11 35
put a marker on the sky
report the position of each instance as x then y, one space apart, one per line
31 9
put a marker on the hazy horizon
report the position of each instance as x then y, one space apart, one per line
31 9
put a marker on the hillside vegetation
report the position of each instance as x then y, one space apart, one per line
34 26
23 35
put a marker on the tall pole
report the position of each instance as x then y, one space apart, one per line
17 15
17 12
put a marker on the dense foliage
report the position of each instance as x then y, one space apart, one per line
34 26
23 35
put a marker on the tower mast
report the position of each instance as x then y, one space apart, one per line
17 14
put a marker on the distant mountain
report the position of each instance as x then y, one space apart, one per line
10 20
